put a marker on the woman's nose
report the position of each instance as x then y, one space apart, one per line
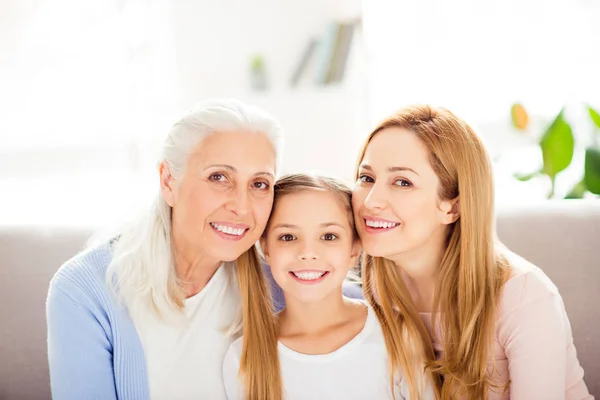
239 203
376 199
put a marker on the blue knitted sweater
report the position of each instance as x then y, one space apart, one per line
93 347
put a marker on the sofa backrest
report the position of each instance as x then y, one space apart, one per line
562 238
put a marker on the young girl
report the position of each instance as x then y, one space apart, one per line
327 346
424 209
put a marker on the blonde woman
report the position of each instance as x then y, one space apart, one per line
147 315
424 210
323 345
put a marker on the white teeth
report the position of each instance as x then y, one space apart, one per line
309 275
228 229
380 224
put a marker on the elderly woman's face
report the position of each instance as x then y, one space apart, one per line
222 202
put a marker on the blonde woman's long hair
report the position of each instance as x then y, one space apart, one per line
259 367
471 273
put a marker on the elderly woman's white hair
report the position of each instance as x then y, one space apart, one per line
142 271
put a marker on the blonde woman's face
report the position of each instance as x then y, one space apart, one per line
222 202
395 199
310 245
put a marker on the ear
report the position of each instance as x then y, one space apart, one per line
167 183
356 251
265 250
450 210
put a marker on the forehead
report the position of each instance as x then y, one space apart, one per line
310 205
245 151
396 147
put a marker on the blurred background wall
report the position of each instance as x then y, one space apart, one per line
89 88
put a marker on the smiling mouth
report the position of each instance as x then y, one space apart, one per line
228 231
373 225
309 277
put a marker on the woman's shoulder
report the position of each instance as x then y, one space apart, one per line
85 271
526 283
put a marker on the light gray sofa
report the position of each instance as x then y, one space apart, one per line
562 237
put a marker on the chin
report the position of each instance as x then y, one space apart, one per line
228 258
375 250
228 255
309 299
381 248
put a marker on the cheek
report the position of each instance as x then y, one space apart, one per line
358 199
420 215
195 202
341 259
262 210
280 260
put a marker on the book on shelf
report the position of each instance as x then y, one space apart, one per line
326 58
341 51
304 63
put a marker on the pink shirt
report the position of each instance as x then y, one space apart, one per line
534 344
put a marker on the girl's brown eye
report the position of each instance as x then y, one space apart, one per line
287 237
329 237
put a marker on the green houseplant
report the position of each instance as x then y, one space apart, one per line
557 145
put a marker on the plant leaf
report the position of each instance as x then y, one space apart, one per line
592 170
577 191
526 177
594 115
557 145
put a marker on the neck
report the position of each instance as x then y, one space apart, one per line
300 318
194 268
420 268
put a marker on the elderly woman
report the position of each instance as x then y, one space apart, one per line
151 314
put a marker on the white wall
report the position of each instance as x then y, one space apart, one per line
215 42
94 86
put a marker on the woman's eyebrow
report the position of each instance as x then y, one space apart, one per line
390 169
233 169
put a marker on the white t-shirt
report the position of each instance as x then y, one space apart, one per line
356 371
185 362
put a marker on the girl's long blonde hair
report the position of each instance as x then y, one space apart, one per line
259 362
259 367
471 273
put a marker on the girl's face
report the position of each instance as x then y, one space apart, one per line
309 245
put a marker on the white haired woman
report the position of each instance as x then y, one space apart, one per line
150 314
